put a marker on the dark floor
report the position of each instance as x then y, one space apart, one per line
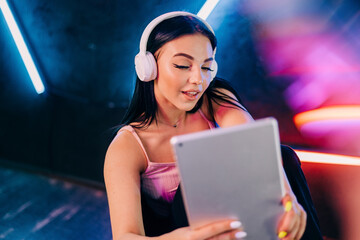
41 206
34 206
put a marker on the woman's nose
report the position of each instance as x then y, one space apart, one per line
196 76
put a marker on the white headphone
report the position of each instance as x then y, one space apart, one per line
145 63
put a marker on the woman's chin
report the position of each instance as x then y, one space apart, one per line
187 107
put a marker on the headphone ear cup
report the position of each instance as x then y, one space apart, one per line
214 67
139 66
151 66
145 66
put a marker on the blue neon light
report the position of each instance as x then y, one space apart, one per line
23 50
207 8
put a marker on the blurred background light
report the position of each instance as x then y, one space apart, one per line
327 158
310 52
328 113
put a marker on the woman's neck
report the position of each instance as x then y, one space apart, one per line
173 118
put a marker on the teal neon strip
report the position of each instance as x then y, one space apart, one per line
207 8
23 50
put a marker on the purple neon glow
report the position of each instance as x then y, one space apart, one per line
319 62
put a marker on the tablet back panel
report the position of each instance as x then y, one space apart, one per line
233 172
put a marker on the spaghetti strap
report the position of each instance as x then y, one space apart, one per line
136 136
130 129
211 124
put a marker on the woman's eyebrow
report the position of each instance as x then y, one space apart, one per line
184 55
190 57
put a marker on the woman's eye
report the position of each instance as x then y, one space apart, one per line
181 66
207 69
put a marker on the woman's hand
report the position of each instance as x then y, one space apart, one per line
222 230
293 222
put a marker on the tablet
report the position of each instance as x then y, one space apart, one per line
233 172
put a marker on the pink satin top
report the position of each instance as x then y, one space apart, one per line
159 180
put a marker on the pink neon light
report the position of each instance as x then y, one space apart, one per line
344 112
327 158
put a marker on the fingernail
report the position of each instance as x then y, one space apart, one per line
235 224
282 234
288 206
240 235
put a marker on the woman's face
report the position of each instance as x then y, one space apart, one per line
184 71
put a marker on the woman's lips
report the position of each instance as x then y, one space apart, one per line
192 95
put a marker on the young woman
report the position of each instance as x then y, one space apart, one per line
176 93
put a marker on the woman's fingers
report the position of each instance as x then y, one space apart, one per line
291 226
228 229
288 224
234 234
286 221
302 225
293 222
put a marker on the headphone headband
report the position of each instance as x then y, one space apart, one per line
145 36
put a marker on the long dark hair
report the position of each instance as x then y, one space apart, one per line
143 107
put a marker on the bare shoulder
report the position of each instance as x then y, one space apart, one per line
226 114
124 151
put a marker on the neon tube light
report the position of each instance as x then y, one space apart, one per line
20 43
207 8
341 112
327 158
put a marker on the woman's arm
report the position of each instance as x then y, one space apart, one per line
123 163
